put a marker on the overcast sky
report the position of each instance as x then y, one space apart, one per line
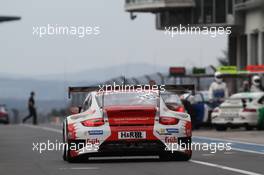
121 40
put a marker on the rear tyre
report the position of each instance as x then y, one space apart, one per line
220 128
64 156
185 156
248 127
179 156
176 156
7 120
66 148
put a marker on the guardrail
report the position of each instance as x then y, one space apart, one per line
150 5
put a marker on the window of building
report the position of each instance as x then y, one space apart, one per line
262 43
220 11
230 6
208 11
198 16
254 49
243 51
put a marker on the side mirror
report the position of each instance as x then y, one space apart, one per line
74 110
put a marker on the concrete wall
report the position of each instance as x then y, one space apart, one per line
250 40
254 20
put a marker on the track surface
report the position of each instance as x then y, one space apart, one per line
17 157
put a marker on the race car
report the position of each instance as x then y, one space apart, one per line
126 123
4 117
240 109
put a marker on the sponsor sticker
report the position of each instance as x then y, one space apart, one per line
167 131
132 135
172 130
92 141
95 132
171 140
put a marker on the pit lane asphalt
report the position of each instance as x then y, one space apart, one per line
17 157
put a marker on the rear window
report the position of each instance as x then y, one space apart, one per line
128 99
170 98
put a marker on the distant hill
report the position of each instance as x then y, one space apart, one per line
43 106
51 90
97 75
54 87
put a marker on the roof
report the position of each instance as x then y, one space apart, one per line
248 95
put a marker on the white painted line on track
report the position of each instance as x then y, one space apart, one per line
44 128
235 142
236 149
207 155
80 168
225 167
248 151
193 161
227 140
229 153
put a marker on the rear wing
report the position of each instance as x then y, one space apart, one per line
179 89
83 89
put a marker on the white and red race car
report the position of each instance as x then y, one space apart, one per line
4 117
126 123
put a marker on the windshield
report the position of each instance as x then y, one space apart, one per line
171 98
128 99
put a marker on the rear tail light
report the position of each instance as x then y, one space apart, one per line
168 121
188 129
3 113
180 109
249 110
175 107
93 122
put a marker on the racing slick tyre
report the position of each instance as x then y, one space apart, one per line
221 127
248 127
7 121
179 156
176 156
66 147
64 156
